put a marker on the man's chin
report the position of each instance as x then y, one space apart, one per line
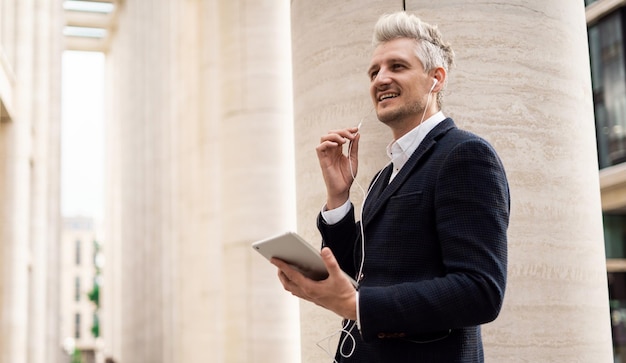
387 116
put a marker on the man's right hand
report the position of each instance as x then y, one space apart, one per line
338 170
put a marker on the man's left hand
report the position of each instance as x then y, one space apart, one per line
335 293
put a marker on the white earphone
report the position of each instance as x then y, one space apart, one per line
434 84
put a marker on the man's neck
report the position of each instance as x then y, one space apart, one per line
402 127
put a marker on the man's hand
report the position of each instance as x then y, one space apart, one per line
338 169
335 293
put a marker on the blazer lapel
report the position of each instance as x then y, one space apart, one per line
381 181
381 192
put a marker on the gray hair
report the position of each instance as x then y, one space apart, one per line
430 48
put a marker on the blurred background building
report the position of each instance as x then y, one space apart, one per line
201 125
607 24
80 263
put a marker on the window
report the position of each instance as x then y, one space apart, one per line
615 235
77 289
615 246
77 251
608 76
617 303
77 326
96 248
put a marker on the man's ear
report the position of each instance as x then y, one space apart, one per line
439 79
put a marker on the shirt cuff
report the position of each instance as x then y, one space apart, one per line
333 216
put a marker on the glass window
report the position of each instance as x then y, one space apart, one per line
77 326
96 247
615 246
608 76
77 289
617 304
78 252
615 235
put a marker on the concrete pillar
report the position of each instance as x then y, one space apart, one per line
196 298
13 234
112 273
15 193
141 231
256 179
522 81
14 250
29 187
51 71
200 157
43 313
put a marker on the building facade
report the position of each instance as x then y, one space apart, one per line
81 263
606 21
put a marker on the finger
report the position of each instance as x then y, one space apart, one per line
340 132
354 147
288 285
343 134
284 280
291 286
291 274
333 140
330 261
327 146
279 263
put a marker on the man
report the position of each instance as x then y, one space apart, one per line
430 252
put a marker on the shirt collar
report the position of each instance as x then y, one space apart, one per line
406 145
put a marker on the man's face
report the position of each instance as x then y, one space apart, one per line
399 86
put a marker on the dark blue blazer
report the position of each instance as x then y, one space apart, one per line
435 252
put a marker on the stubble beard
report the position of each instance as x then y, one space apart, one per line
404 112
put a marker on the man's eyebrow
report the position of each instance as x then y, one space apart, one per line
398 60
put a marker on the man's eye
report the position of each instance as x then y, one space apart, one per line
373 75
397 66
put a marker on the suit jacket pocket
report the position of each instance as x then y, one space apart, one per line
411 198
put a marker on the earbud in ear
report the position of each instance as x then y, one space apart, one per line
434 84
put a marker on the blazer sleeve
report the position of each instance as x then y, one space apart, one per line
341 238
471 204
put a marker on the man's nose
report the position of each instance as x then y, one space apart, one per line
382 77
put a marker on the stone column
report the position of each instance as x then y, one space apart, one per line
15 165
43 314
200 167
256 177
14 189
522 81
197 298
141 173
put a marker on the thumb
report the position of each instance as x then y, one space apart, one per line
354 146
330 261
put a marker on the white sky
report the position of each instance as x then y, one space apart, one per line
82 134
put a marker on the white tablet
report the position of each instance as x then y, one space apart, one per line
293 249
